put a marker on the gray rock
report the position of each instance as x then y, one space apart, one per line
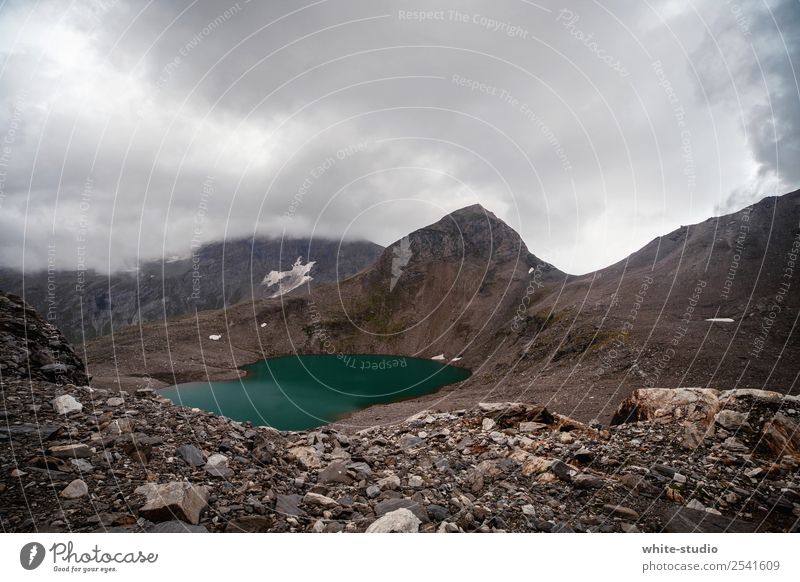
373 491
75 490
116 402
388 505
191 455
389 483
397 521
65 404
176 499
437 512
217 466
82 465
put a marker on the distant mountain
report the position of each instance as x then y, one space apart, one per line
467 290
89 304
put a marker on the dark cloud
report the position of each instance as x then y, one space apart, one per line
362 119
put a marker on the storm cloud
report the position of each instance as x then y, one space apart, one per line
133 130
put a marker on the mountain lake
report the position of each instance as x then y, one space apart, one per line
304 392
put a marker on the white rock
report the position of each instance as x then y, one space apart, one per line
65 404
488 424
415 481
115 401
397 521
75 489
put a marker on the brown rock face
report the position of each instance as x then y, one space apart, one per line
693 405
175 500
781 435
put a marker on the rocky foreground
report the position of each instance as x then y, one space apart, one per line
82 459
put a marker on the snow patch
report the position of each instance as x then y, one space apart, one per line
720 319
456 359
531 270
289 280
215 337
263 325
439 357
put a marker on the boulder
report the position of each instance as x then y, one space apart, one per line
731 419
397 521
308 457
75 490
65 404
781 436
191 455
336 472
176 499
217 466
698 406
318 500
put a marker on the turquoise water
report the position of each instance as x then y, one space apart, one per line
303 392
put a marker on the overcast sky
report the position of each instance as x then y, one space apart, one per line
589 127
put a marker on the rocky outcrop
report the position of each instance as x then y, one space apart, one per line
30 347
152 466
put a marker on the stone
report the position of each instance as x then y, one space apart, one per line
488 424
217 466
176 499
695 405
373 491
116 402
289 505
397 521
119 426
317 500
583 455
175 526
563 471
534 465
621 511
437 512
587 481
65 404
75 490
308 457
190 455
781 436
415 481
82 465
336 472
390 483
731 419
77 451
389 505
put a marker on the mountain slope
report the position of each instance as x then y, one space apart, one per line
88 304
